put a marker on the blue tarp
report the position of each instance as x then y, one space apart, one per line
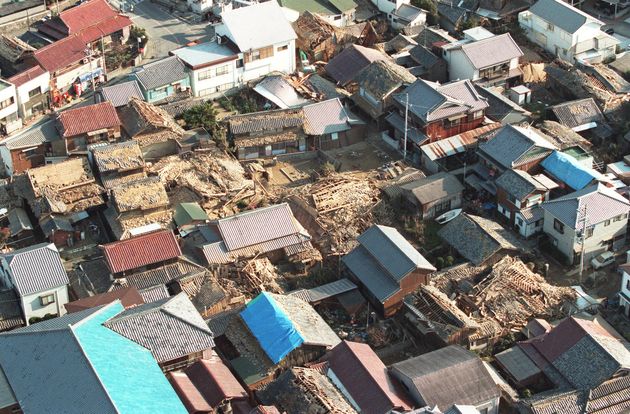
272 327
86 76
568 170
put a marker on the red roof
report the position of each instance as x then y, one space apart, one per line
215 381
129 297
188 393
88 118
27 75
365 377
141 251
87 14
60 54
105 28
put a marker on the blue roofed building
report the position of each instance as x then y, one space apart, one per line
74 364
162 79
273 333
568 170
386 267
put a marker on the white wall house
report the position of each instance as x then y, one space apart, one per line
607 220
264 40
32 88
407 16
39 279
567 32
9 119
492 60
336 13
388 6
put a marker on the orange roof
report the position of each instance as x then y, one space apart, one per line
62 53
87 119
141 251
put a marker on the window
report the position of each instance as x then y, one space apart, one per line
47 299
334 136
520 221
282 48
338 17
35 92
239 63
550 27
258 54
225 86
607 223
619 217
206 74
628 284
589 233
539 222
477 114
558 226
222 70
207 91
6 103
483 411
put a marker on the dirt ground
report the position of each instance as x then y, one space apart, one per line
364 156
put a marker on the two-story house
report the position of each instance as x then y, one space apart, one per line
519 195
9 119
624 292
338 13
86 125
597 210
386 267
490 59
567 32
435 111
33 92
264 38
162 79
38 276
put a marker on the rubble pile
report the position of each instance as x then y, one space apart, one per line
249 278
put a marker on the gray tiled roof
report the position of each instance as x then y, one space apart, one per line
560 14
19 221
601 203
45 132
325 117
451 12
423 56
451 375
492 51
518 183
577 113
347 64
434 187
500 107
121 94
36 268
382 77
162 72
170 328
477 238
511 146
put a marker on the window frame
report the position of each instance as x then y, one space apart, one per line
46 300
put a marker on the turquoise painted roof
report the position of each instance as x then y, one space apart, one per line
134 382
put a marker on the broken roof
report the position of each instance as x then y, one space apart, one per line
382 77
477 238
600 202
119 157
326 117
265 121
364 376
344 67
450 375
431 101
88 118
142 194
148 124
280 91
170 328
578 115
141 251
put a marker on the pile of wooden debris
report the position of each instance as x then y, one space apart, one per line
249 278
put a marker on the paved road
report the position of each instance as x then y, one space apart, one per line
166 32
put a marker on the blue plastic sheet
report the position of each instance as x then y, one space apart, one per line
568 170
272 327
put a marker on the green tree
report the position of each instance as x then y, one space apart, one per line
430 6
203 115
472 21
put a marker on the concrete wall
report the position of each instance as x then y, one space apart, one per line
24 104
459 67
208 87
388 6
64 80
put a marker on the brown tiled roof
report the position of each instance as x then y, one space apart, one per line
129 297
87 119
27 75
365 377
141 251
61 53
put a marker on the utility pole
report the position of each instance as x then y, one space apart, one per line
583 219
406 120
88 52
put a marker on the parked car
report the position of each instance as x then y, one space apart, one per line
603 260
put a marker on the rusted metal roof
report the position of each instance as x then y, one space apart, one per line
141 251
457 143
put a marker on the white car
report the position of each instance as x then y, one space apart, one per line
603 260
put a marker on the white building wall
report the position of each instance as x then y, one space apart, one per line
5 154
216 83
459 67
66 79
42 81
7 91
624 297
32 307
281 61
388 6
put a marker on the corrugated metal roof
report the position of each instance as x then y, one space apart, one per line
217 253
162 275
161 72
325 117
257 226
279 91
188 393
36 268
456 144
365 268
170 328
155 293
128 297
326 291
141 251
121 94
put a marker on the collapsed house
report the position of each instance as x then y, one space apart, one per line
475 306
119 163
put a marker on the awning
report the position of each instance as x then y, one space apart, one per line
95 74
